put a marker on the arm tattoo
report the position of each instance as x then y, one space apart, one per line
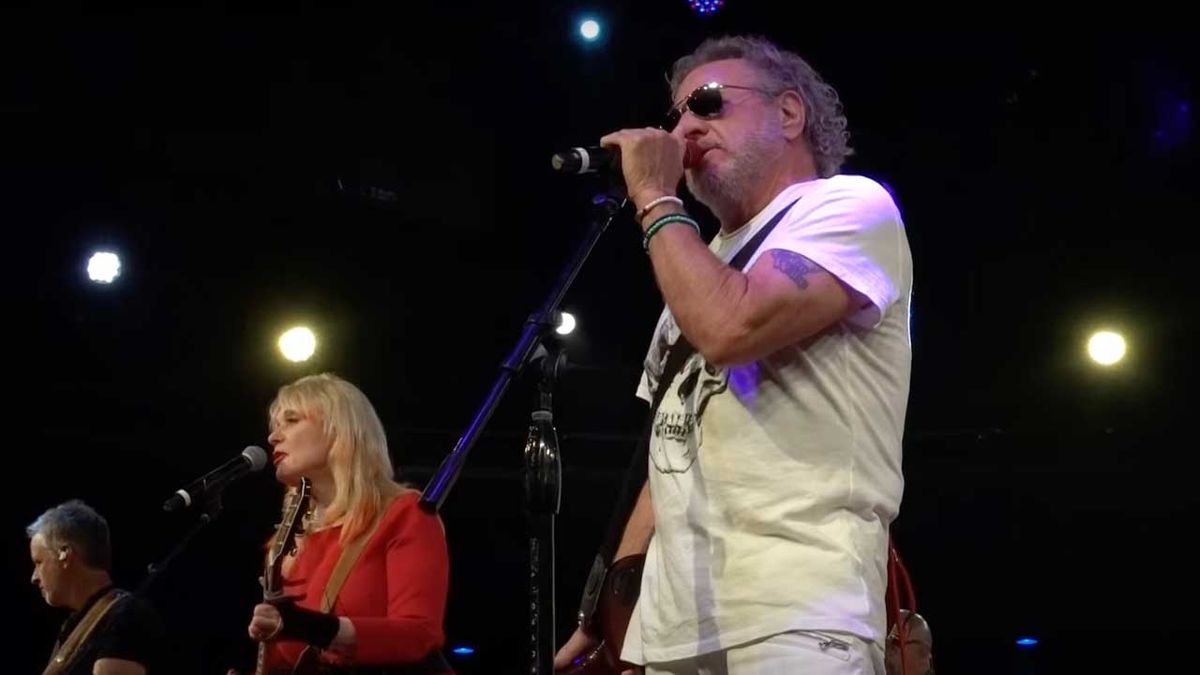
795 266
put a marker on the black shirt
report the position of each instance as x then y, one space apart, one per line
131 630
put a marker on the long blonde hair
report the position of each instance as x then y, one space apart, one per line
362 469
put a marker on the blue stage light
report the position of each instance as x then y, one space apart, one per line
706 7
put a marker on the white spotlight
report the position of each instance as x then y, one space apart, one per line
1106 347
566 323
589 29
103 267
297 344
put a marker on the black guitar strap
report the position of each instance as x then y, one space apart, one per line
635 476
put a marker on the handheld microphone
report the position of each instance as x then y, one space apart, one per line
586 160
593 159
253 458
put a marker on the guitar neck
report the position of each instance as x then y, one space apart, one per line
284 541
260 666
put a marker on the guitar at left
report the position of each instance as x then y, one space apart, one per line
291 524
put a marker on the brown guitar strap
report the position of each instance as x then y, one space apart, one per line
346 562
66 653
341 571
433 663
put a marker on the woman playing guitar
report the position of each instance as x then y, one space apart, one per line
364 590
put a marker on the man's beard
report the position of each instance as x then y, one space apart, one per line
724 187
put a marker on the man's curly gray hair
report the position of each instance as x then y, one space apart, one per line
825 125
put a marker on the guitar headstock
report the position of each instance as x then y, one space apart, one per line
291 524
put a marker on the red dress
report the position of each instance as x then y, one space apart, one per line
395 595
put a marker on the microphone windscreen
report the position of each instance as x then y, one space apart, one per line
257 457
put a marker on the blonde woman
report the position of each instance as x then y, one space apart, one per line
390 608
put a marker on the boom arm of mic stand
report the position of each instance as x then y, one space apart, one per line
212 509
607 206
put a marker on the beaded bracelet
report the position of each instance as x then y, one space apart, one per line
655 202
666 220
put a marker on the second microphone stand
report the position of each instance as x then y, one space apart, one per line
543 491
543 465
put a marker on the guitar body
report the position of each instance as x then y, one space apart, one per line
291 524
614 607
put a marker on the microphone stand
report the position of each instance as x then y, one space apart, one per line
543 489
211 509
605 208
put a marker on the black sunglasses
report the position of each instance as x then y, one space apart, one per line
705 102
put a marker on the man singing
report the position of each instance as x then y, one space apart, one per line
774 456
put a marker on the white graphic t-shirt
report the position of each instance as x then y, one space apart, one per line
774 482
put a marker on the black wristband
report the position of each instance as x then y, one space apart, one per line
315 628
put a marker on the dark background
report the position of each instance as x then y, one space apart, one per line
385 179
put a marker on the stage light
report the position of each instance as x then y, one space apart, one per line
566 323
463 650
1106 347
103 267
706 7
1027 642
297 344
589 29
